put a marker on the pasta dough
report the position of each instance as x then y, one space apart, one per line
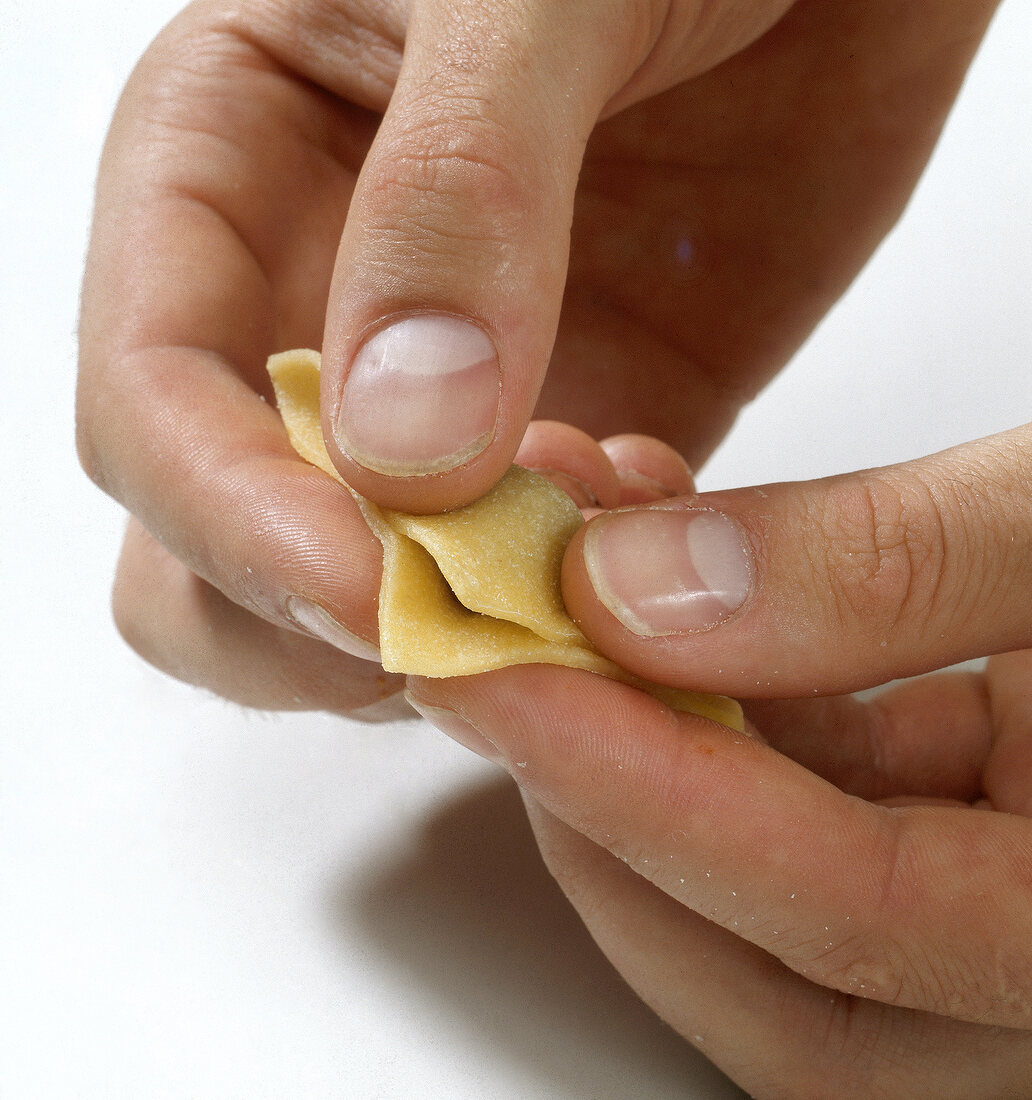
478 588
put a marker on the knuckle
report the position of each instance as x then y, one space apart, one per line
929 976
884 552
891 957
564 858
876 968
456 179
555 858
1008 991
559 861
867 965
986 497
129 623
854 1048
141 616
89 459
866 957
88 450
113 399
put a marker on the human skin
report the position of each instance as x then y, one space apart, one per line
839 900
718 178
743 201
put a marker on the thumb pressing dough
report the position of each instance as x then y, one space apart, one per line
478 588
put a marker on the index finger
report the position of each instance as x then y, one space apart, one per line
188 289
922 907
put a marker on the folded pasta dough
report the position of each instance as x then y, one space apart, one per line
477 588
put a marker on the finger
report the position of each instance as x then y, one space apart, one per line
183 301
648 469
927 738
1008 772
759 1022
818 587
190 630
451 268
207 468
920 907
572 460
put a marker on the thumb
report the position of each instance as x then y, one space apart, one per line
816 587
450 274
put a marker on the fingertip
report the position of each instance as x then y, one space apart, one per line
571 459
426 494
648 468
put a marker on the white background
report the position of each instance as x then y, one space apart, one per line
196 901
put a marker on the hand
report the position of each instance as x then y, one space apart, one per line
230 165
840 903
726 169
716 220
812 940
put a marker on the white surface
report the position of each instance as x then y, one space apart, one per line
201 902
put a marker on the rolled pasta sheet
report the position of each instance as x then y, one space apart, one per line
477 588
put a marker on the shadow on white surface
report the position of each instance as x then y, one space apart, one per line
471 915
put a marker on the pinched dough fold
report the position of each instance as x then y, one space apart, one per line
478 588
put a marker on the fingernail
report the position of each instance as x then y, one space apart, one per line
421 396
668 571
318 621
458 729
